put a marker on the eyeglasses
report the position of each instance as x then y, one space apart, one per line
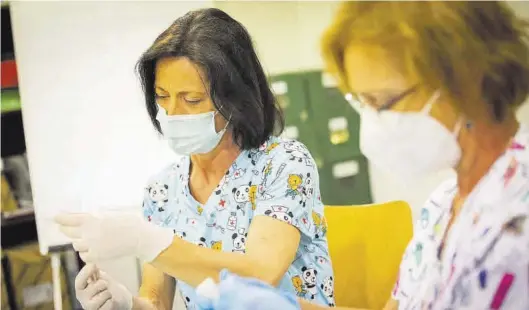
358 103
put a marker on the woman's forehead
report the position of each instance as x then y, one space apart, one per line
178 73
371 69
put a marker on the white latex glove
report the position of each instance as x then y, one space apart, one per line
103 294
115 234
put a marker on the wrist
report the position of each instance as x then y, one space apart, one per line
153 240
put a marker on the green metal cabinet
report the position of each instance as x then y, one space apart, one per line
337 124
291 92
345 182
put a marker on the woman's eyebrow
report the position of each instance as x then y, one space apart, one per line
183 92
397 98
159 88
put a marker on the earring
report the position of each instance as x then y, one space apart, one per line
468 125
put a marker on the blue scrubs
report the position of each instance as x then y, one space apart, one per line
278 180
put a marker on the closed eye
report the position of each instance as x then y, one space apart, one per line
157 96
192 100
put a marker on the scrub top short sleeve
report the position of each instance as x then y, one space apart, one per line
290 192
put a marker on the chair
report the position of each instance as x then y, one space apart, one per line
366 245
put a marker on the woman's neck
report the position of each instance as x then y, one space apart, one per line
481 146
209 167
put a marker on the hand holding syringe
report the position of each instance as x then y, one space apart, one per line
80 207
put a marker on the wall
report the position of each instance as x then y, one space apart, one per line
88 136
286 35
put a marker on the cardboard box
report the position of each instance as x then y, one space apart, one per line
9 203
4 304
31 279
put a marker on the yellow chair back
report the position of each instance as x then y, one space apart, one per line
366 245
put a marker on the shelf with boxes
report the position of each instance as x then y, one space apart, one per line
317 114
17 206
27 280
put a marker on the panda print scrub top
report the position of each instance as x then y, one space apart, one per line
279 180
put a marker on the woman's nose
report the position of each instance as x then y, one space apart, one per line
173 108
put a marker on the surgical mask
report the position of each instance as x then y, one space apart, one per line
191 133
408 143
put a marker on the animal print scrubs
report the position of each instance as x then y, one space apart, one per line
279 180
484 262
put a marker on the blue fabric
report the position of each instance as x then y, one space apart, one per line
279 180
236 293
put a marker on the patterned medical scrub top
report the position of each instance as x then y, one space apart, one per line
279 180
485 260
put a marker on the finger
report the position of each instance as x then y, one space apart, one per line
71 219
96 276
99 300
79 245
107 305
97 287
81 281
71 232
103 275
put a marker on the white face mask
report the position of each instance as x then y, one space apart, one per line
408 143
191 133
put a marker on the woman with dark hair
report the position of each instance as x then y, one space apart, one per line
239 198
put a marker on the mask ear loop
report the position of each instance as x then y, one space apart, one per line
357 105
227 122
161 113
457 128
428 107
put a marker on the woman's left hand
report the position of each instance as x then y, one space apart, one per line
110 235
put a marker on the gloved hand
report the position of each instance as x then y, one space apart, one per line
115 234
103 293
236 293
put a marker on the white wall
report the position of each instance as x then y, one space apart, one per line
87 132
287 34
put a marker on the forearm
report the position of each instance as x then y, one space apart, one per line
141 303
193 264
144 302
156 291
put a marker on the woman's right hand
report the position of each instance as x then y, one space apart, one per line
95 290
